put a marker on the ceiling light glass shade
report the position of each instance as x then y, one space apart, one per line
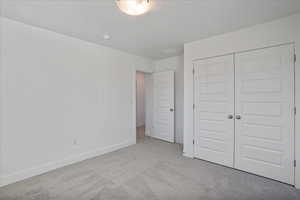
134 7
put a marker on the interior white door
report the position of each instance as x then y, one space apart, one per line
214 109
264 142
163 104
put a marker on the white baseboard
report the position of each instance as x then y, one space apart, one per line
163 139
28 173
189 155
148 132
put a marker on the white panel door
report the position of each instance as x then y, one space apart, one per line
214 109
163 104
264 142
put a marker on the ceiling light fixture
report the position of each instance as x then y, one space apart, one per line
134 7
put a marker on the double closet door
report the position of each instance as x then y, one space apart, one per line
244 111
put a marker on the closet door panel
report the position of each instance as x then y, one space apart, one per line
264 126
214 109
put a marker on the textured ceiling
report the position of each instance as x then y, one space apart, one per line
158 34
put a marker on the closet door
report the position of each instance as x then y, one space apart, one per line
264 142
214 109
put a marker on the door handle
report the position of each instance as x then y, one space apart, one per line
171 109
238 117
230 116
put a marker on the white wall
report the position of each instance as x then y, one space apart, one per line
281 31
140 99
175 64
62 100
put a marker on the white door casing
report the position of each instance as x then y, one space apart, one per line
214 109
163 104
264 136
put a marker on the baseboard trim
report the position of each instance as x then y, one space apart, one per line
28 173
188 155
163 139
148 132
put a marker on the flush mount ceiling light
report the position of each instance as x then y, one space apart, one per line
134 7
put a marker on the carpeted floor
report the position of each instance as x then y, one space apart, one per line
150 170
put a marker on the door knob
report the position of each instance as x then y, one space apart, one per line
238 117
230 116
171 109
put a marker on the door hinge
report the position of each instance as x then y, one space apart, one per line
295 58
193 141
295 110
295 163
193 71
193 106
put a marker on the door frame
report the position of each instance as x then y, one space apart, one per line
294 97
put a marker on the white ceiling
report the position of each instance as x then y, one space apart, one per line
158 34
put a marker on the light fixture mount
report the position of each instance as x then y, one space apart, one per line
134 7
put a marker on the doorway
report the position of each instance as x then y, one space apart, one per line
154 109
140 106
